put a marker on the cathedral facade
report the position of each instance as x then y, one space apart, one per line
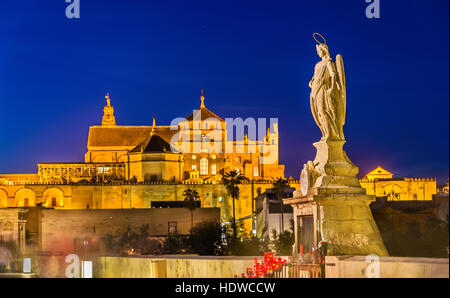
140 166
196 149
127 167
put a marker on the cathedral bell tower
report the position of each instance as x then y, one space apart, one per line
108 113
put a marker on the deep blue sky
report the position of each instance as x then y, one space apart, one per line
254 58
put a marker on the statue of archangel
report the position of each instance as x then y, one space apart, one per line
328 93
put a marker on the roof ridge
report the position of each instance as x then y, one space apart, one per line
204 109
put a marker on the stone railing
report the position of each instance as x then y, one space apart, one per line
64 173
398 179
386 267
86 181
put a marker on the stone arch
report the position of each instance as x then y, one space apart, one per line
3 198
25 197
392 191
53 197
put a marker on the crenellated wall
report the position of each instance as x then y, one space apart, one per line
403 189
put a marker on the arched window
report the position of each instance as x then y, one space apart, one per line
53 197
25 197
204 166
3 198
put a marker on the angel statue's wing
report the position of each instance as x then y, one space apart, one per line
342 85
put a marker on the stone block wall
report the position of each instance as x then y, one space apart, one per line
172 266
389 267
58 229
129 196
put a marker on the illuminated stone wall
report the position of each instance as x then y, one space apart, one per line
226 267
172 267
386 267
156 167
127 196
401 189
12 226
59 229
30 195
380 182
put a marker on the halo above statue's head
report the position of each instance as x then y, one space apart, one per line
321 45
323 38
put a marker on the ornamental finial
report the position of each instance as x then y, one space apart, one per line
108 113
108 100
202 99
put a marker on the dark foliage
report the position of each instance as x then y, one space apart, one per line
206 238
413 235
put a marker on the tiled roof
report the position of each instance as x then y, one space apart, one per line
153 143
205 113
129 136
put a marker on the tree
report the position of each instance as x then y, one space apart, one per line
135 240
174 244
279 187
243 244
207 238
282 242
231 180
190 199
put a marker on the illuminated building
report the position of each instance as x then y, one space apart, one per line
381 183
133 166
143 153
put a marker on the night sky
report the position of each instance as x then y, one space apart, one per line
253 58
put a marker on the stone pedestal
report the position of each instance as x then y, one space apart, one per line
346 223
338 203
333 170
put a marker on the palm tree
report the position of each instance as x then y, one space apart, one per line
279 187
231 180
190 199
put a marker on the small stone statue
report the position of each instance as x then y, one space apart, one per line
328 93
108 113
